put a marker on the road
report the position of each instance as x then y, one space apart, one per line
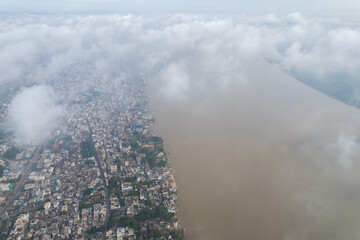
24 175
107 197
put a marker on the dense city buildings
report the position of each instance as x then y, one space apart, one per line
103 175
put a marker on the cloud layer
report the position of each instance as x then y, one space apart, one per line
42 48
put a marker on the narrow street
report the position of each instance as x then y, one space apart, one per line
107 197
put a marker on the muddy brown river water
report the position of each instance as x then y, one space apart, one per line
267 159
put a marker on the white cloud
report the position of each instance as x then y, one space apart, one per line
348 149
176 81
34 114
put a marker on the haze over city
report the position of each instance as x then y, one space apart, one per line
179 119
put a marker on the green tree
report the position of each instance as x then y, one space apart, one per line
87 149
11 153
63 213
177 235
2 133
88 191
2 168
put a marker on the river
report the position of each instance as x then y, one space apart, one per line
266 159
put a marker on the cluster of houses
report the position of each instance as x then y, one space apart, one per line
105 174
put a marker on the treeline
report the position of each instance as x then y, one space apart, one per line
158 212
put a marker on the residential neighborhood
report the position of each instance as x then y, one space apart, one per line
103 175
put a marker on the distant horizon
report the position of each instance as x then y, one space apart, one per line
320 8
